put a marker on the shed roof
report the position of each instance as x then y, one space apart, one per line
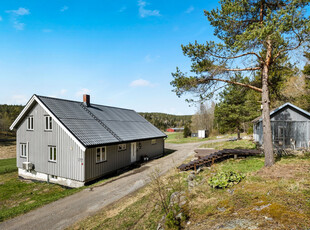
282 107
96 125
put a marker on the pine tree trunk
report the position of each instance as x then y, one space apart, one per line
267 138
239 133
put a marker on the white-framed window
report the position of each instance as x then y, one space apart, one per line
23 149
52 153
48 123
101 154
30 123
122 147
153 141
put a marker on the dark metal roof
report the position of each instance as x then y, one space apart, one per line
98 125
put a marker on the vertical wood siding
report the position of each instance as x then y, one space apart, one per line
69 155
119 159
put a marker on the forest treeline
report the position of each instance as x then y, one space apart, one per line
8 114
164 121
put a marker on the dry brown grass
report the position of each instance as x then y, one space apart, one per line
277 197
8 151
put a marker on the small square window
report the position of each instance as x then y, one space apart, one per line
153 141
122 147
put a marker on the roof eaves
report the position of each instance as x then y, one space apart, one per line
22 113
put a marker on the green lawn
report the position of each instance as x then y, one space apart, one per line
20 196
8 165
177 138
240 144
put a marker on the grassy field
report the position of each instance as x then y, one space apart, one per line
8 165
20 196
268 198
177 138
240 144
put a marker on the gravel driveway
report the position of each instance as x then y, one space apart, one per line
64 212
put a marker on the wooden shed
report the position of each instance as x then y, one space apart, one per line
290 127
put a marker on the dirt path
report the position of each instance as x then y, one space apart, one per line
64 212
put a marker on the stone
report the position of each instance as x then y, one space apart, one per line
221 209
191 177
200 169
262 207
192 184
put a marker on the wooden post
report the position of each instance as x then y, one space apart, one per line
235 156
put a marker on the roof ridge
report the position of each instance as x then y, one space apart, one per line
61 99
101 122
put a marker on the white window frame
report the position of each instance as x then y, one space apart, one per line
52 157
122 147
48 123
30 122
23 151
153 142
102 154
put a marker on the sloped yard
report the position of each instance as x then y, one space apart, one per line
268 198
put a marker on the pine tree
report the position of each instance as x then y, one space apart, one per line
254 34
235 108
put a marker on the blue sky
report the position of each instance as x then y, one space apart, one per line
122 53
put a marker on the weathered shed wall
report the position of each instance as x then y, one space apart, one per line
290 129
119 159
69 155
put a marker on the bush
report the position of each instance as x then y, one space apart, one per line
186 132
225 179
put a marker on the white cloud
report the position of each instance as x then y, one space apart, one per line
144 12
19 99
47 30
16 15
189 9
19 12
122 9
141 83
80 93
64 8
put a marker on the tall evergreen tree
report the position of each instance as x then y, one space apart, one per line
254 34
235 107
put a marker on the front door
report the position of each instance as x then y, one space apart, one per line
133 152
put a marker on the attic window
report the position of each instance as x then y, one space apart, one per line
30 123
48 123
122 147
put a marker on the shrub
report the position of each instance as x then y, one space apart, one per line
186 132
225 179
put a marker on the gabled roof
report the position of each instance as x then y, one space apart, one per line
96 124
258 119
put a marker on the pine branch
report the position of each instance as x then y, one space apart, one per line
206 80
